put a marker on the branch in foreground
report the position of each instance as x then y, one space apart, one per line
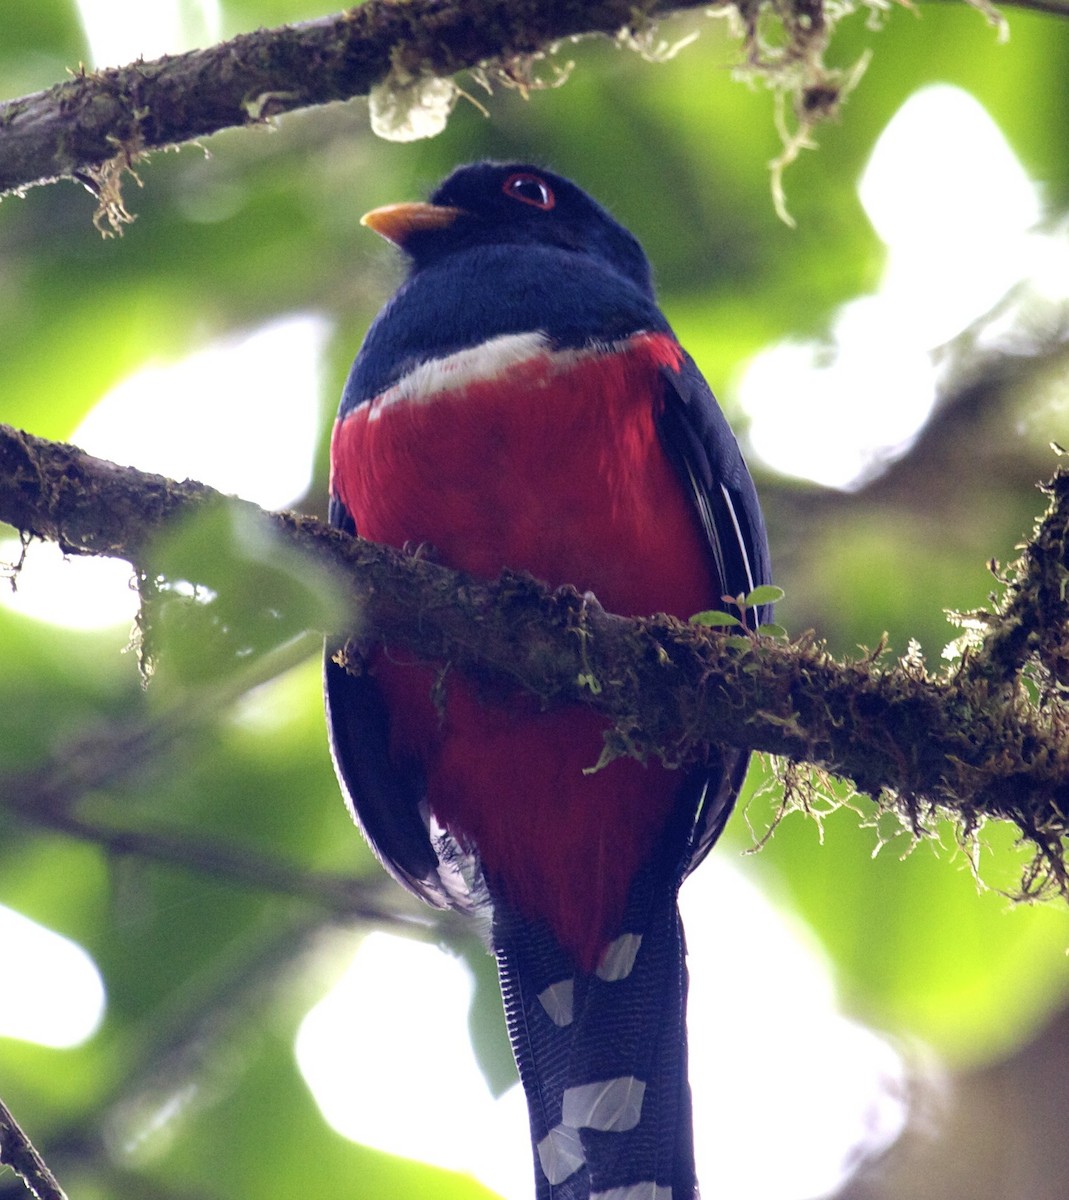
96 126
19 1153
966 743
112 116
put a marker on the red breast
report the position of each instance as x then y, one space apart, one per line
512 455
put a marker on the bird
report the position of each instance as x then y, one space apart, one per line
522 403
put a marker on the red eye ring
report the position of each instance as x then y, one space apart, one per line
529 189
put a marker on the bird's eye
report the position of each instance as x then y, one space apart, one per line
530 190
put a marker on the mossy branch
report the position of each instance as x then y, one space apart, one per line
97 125
103 119
987 738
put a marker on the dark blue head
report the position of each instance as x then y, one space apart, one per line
503 248
511 204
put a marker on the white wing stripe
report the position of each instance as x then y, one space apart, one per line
739 538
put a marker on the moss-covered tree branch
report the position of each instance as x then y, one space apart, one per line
98 124
99 118
988 738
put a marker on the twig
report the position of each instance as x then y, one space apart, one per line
19 1153
340 894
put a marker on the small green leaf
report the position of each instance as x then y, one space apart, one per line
587 679
736 642
767 593
714 617
772 630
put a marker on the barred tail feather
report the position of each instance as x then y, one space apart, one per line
603 1056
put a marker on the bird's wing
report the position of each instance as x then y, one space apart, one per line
698 440
385 799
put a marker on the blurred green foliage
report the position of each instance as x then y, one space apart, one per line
225 592
260 223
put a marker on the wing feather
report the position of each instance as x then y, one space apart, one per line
385 798
698 440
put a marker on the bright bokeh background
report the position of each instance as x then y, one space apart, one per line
958 216
831 1088
166 1015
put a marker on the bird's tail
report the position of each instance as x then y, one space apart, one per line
603 1056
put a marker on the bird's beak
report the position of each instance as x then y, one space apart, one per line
398 222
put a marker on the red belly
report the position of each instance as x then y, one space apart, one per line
558 471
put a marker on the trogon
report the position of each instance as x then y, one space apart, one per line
521 402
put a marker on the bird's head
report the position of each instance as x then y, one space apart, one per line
495 204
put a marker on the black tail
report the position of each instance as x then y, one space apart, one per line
603 1056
